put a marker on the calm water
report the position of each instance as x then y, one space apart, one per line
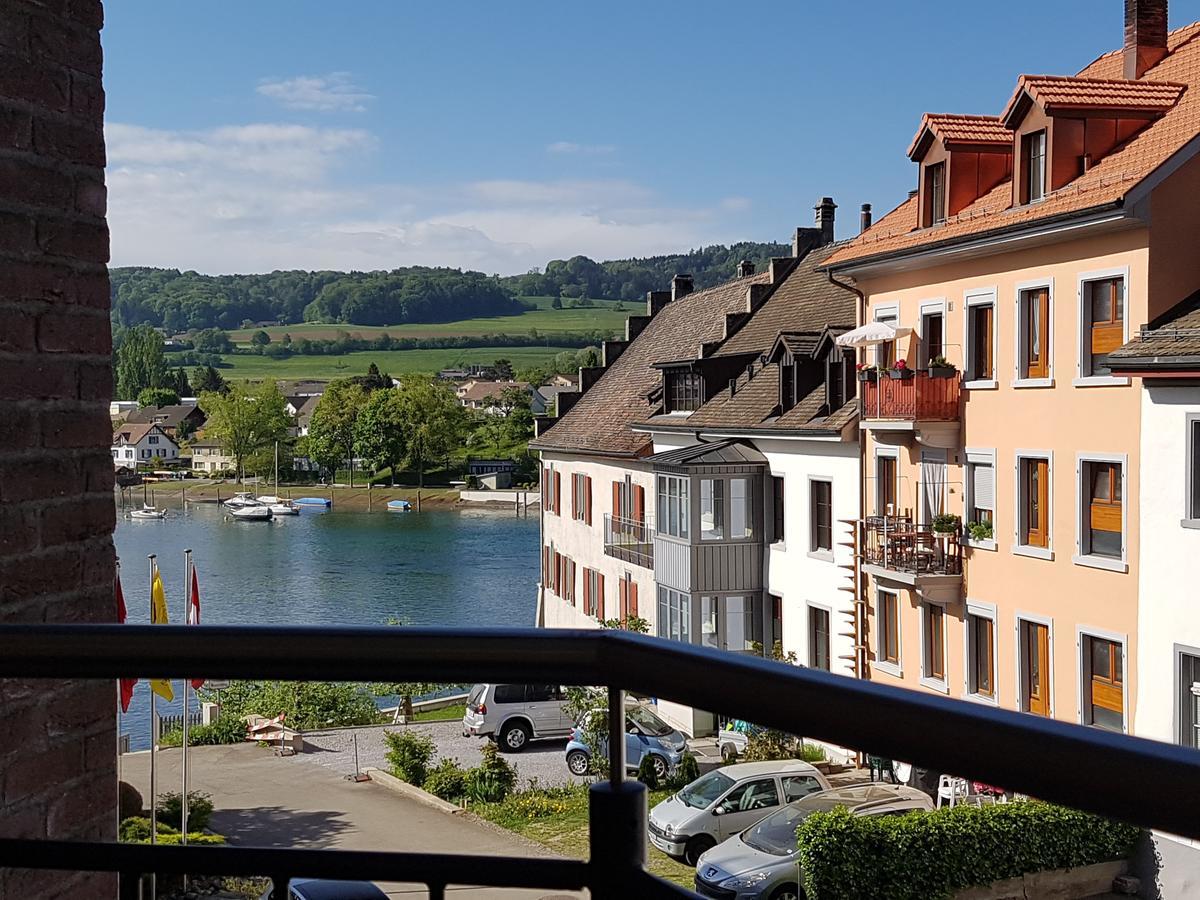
333 568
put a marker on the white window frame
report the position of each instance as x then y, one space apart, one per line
579 483
1190 450
1020 679
981 297
812 604
1020 381
891 453
936 306
980 456
1089 559
941 685
683 520
896 668
981 610
886 311
1018 548
1082 350
1082 631
823 555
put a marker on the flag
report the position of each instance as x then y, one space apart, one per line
158 616
126 684
193 616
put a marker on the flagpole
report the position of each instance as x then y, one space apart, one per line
153 734
187 601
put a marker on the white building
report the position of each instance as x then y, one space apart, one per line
138 445
210 458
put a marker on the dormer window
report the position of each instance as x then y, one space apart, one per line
684 390
787 387
1033 168
935 194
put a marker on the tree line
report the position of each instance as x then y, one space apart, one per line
261 343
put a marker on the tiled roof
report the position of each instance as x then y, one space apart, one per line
132 433
714 453
599 421
1105 183
1173 338
1099 93
951 127
169 416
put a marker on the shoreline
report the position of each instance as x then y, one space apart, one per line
173 495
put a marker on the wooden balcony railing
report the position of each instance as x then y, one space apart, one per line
917 398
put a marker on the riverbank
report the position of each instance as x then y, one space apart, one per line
173 495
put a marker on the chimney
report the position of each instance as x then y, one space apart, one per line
825 210
745 269
1145 35
804 240
864 218
913 193
655 301
681 286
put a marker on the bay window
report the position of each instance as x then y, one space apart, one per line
674 506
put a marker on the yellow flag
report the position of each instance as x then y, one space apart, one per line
158 616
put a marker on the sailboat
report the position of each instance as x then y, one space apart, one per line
148 512
279 506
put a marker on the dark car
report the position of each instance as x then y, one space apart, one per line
320 889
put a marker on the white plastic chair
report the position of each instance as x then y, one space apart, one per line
951 790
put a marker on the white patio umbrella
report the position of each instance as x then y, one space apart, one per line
871 334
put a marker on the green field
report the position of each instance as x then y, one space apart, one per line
394 362
602 317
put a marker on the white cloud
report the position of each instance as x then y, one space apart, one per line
254 198
584 149
335 92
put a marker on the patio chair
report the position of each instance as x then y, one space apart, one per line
882 766
952 790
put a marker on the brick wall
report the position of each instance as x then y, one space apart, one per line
57 739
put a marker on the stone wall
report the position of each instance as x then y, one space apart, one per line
58 742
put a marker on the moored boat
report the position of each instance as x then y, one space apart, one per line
242 499
312 501
280 506
148 512
399 506
251 513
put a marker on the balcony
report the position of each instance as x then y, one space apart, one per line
921 404
897 549
631 540
1153 785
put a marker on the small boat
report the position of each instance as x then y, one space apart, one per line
399 506
312 501
252 513
242 499
280 506
148 512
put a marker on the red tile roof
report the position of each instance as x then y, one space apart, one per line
1107 182
1052 91
953 128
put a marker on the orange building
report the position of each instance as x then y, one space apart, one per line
1000 535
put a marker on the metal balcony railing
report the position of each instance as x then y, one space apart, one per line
1143 782
917 398
631 540
898 544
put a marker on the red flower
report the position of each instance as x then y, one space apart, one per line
901 364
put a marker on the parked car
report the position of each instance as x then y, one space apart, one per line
645 735
726 801
514 714
763 863
322 889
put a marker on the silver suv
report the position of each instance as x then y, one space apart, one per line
514 714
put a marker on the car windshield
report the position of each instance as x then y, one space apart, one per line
776 834
647 722
701 793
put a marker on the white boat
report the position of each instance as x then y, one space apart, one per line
242 499
280 506
251 513
148 512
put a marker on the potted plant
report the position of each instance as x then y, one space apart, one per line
980 531
867 372
940 367
945 523
900 370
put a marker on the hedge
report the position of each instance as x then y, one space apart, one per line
924 856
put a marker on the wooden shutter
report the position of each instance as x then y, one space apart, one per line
574 496
1037 502
622 599
587 499
587 589
639 503
633 598
545 566
599 598
616 500
558 493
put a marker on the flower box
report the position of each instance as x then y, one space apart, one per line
902 374
868 375
942 371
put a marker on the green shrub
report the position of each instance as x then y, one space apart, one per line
768 743
408 755
811 753
685 773
646 774
493 779
925 856
226 730
447 780
136 830
535 803
200 809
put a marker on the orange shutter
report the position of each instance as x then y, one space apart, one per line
633 609
616 500
599 600
587 589
545 566
574 497
558 493
639 503
587 499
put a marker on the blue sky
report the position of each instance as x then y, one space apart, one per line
250 136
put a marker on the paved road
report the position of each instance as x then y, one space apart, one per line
267 801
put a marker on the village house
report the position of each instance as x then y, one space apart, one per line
487 396
177 420
136 445
209 457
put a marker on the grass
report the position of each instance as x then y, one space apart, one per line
394 362
602 317
445 714
558 818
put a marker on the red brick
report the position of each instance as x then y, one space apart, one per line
25 821
48 87
21 182
74 331
53 282
38 479
67 523
16 129
87 97
69 428
97 471
17 330
18 529
80 708
54 39
31 773
17 233
78 240
32 577
91 197
38 379
68 141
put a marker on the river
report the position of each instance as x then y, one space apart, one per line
471 568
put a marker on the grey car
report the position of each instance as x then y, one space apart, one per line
762 863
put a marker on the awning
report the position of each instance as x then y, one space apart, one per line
872 333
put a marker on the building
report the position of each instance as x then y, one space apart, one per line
304 413
487 397
1002 475
171 419
136 445
119 409
210 458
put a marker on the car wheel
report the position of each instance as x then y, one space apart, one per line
788 892
578 762
660 767
729 753
695 847
514 737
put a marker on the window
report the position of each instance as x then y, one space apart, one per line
684 390
835 380
674 615
933 642
1103 322
1102 528
114 453
885 485
593 593
552 491
674 510
1033 317
1034 651
581 498
777 508
888 610
981 653
509 693
153 439
935 194
1192 502
741 509
981 340
1033 484
712 509
627 597
981 487
1033 163
797 786
787 386
629 500
1103 683
731 623
818 638
821 531
753 795
933 337
1189 700
885 353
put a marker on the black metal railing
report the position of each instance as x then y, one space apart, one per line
898 544
631 540
1143 782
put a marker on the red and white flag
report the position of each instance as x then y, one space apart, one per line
126 684
193 615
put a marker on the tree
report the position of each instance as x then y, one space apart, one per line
379 432
556 303
245 421
504 369
140 363
212 340
180 382
209 381
260 339
157 396
435 421
331 431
